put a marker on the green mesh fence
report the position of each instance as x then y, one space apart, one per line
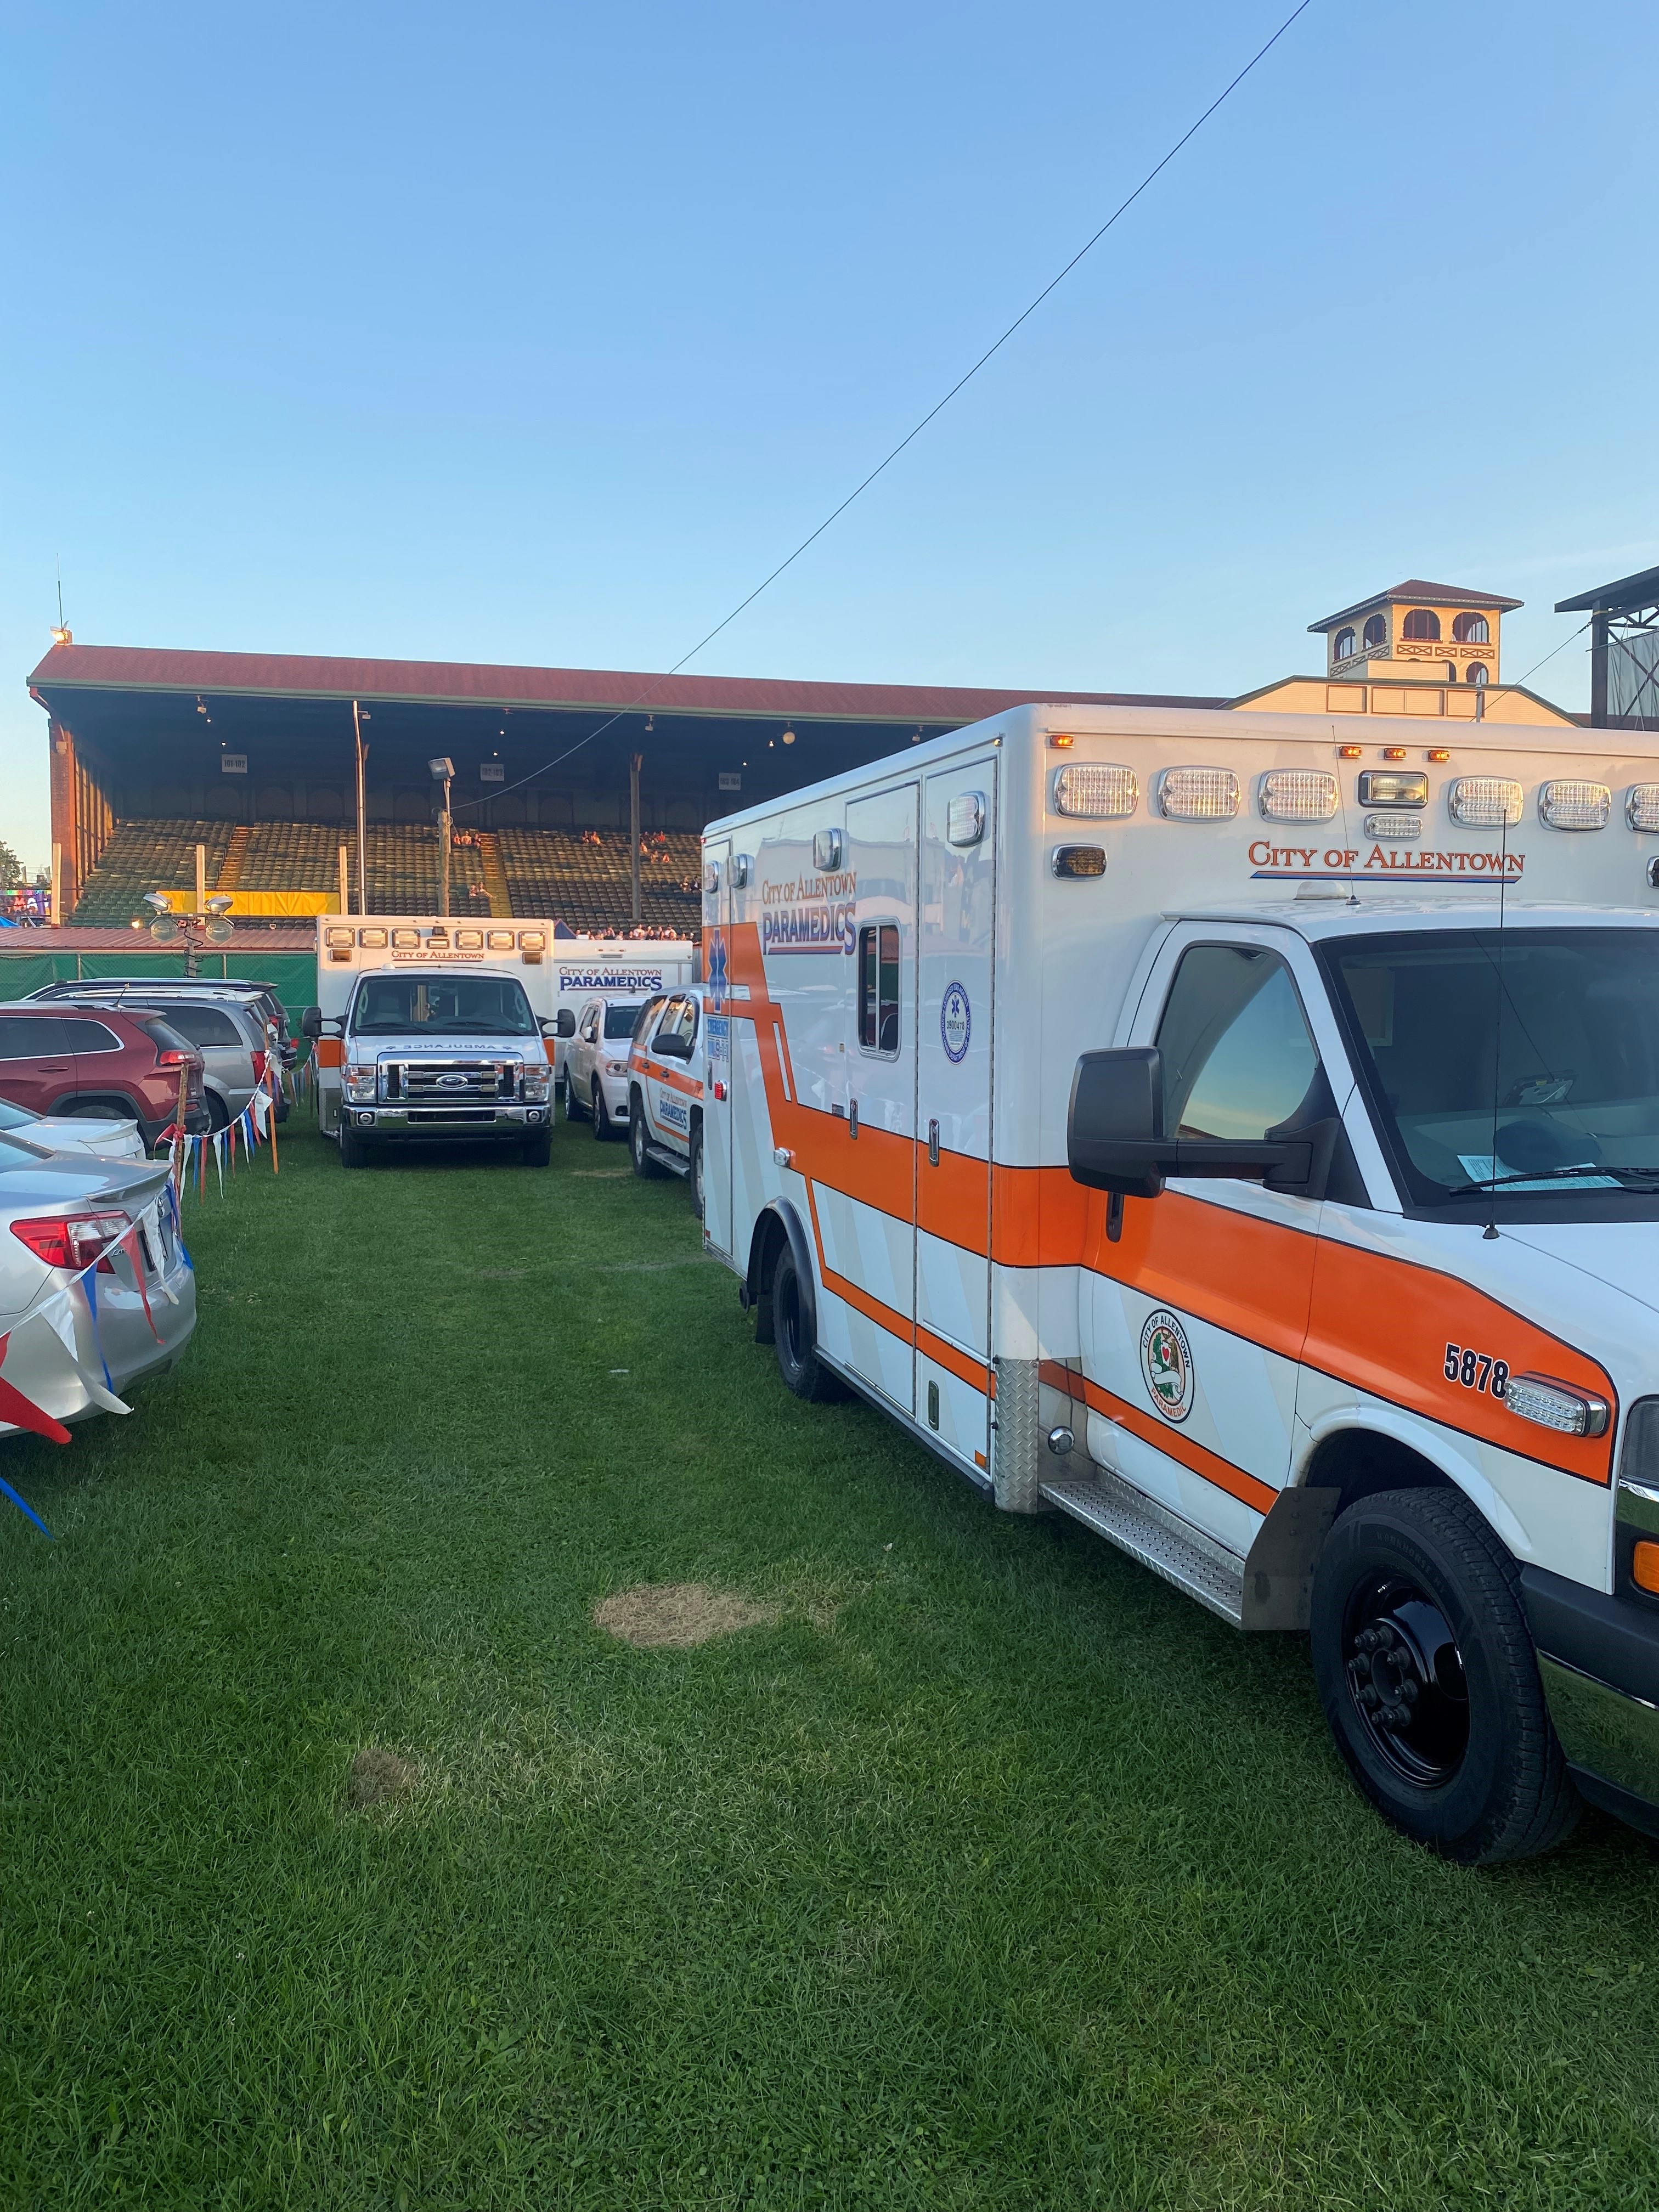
292 974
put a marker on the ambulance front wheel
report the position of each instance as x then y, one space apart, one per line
1428 1678
640 1158
792 1326
353 1151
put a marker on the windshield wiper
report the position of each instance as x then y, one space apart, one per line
1553 1175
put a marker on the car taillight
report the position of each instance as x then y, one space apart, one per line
258 1068
73 1240
171 1058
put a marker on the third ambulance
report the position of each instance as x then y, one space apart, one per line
1241 1132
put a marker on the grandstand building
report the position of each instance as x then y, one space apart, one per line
254 757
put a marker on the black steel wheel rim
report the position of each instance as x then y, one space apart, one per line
789 1318
1405 1680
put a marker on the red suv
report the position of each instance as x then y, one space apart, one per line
58 1060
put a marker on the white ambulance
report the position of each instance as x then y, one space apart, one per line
559 972
666 1080
1241 1132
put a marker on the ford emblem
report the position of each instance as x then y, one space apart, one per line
451 1083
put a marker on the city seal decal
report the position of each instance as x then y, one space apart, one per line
1166 1361
956 1022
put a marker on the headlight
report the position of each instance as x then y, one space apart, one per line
616 1067
360 1079
536 1081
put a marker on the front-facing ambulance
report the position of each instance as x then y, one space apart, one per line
431 1053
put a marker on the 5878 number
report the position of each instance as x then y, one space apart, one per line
1477 1371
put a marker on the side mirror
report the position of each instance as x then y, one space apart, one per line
310 1022
1115 1138
566 1023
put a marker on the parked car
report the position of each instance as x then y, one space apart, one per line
596 1063
158 990
231 1036
665 1089
59 1213
74 1133
110 1064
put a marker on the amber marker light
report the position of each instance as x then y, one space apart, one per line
1437 753
1644 1567
1062 744
1393 752
1351 752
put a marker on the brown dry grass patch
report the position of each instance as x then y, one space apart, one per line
377 1774
656 1615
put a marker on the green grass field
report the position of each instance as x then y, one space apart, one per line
986 1872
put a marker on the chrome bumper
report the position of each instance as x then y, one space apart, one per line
444 1120
1598 1659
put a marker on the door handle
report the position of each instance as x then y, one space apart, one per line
852 1117
932 1144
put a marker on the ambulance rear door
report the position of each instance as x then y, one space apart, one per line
957 937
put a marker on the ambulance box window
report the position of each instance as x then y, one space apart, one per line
1238 1059
878 989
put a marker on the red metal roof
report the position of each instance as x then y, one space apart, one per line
286 937
144 668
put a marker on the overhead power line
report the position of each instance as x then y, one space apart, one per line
937 408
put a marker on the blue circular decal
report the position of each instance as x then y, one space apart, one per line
956 1022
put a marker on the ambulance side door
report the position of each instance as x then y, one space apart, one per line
718 912
1195 1305
665 1084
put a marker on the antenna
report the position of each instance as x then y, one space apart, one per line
60 590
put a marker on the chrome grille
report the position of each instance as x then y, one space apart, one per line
449 1082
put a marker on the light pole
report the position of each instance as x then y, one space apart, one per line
443 770
357 721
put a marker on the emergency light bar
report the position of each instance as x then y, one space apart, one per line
1485 802
1198 794
1566 804
1298 794
1642 807
1092 793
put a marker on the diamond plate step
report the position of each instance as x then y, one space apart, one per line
1171 1547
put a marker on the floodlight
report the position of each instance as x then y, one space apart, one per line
441 769
220 902
160 900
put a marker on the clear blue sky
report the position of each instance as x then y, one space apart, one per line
539 333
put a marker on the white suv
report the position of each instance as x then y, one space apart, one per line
665 1085
596 1063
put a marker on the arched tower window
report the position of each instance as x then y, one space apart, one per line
1472 629
1345 645
1376 631
1475 672
1422 623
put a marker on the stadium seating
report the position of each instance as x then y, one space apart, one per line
147 856
580 877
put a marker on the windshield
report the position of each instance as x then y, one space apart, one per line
619 1020
442 1006
15 1117
1520 1061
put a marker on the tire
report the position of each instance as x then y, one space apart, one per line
571 1108
537 1148
354 1153
601 1119
798 1359
695 1177
643 1165
1429 1681
218 1113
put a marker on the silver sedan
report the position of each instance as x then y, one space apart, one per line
97 1289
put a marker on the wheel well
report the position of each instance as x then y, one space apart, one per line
768 1240
112 1103
1361 1462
